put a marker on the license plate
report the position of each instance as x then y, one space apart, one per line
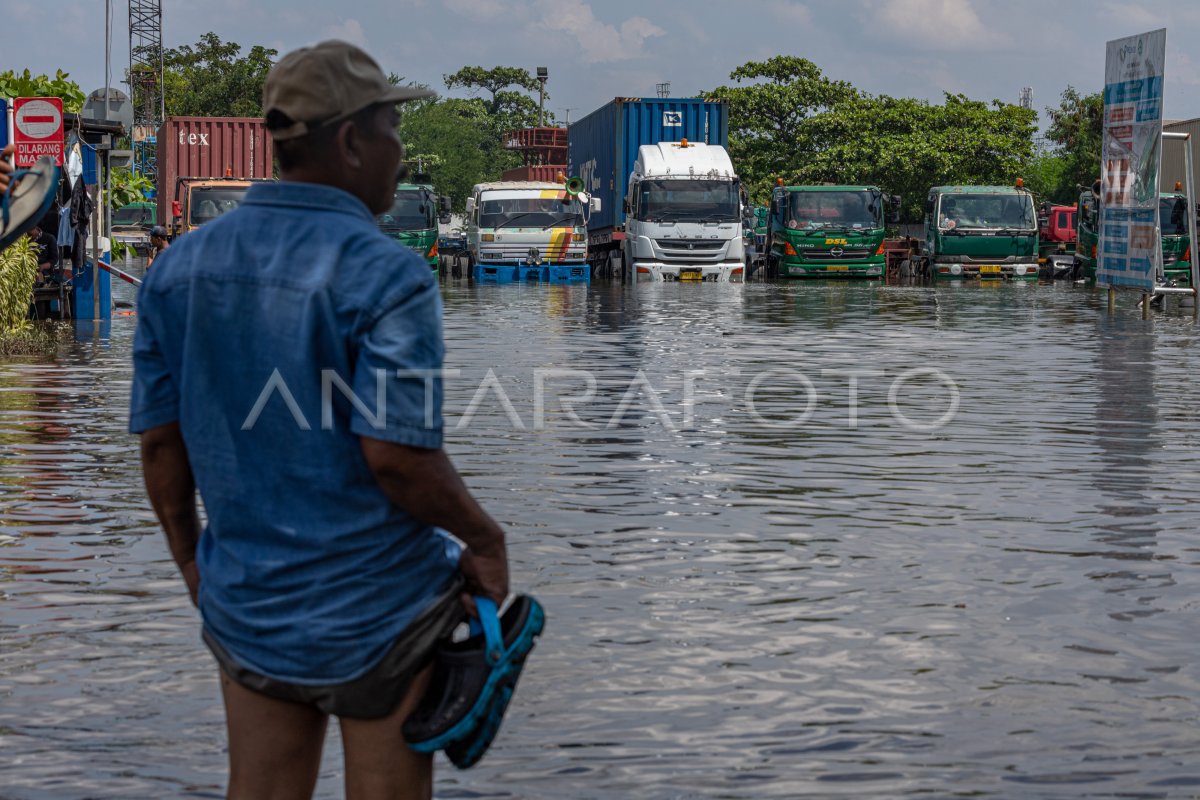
691 275
990 268
837 269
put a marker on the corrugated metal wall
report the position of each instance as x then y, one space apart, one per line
1173 156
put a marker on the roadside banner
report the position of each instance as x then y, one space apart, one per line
1129 254
38 129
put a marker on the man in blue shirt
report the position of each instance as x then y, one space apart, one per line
287 364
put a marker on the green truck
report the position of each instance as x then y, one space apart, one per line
827 231
980 233
413 219
1176 248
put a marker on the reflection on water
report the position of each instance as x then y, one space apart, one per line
739 607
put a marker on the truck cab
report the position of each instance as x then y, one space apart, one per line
413 220
684 214
526 230
201 200
981 233
1173 225
827 231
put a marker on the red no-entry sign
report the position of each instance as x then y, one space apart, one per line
37 129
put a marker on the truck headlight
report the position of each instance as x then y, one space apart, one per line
1019 269
956 269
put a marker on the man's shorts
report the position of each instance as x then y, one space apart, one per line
376 693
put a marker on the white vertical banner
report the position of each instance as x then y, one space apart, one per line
1129 254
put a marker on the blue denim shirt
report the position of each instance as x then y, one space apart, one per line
276 336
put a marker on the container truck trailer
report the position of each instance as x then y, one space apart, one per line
670 198
205 166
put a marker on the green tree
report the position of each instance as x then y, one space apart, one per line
214 79
452 136
503 85
28 85
1046 177
1077 127
770 134
905 146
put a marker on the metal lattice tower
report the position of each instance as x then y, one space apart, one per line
146 80
1027 97
663 89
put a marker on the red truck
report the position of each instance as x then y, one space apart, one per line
205 165
1056 240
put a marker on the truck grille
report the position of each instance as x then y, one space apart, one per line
690 244
692 251
836 253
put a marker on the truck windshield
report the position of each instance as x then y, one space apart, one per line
987 212
208 204
688 201
133 215
530 212
834 210
412 210
1172 213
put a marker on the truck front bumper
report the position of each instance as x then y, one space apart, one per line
790 268
660 271
985 272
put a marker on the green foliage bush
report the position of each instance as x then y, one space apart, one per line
18 272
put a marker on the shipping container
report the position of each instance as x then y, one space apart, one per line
603 145
210 147
548 173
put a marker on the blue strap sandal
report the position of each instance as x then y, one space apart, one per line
474 681
29 196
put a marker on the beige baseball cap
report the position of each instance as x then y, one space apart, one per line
327 82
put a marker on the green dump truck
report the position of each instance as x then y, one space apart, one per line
1176 248
413 219
980 233
827 231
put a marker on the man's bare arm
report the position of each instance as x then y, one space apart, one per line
425 483
172 491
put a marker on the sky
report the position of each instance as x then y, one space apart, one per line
596 50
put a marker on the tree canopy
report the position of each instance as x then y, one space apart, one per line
797 124
214 79
1077 127
29 85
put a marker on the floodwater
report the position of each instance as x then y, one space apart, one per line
986 585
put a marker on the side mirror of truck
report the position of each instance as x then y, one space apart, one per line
893 202
628 208
444 204
595 205
470 205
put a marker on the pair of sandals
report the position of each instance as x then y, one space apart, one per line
29 195
474 681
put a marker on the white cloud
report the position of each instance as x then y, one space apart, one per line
935 24
599 43
350 30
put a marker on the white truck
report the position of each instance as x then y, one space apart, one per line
684 214
526 230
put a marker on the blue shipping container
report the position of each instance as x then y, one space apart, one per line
602 147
